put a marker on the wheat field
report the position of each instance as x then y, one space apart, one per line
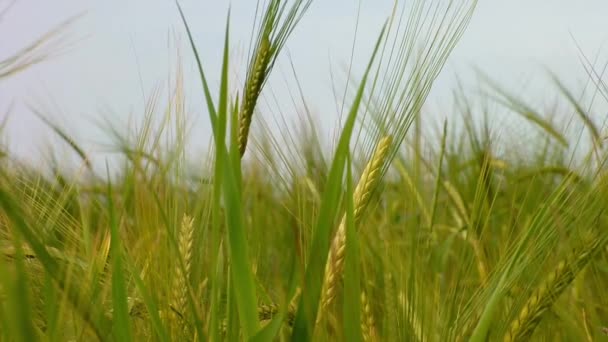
392 232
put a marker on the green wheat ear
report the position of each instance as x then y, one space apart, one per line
550 289
252 90
277 23
367 183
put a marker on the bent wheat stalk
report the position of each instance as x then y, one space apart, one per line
367 183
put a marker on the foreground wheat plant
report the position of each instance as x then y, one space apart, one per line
367 183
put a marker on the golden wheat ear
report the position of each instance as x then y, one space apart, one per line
522 327
368 324
367 183
182 275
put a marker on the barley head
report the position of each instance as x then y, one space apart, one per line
368 324
550 289
362 194
181 281
253 87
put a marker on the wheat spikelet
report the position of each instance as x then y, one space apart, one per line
293 307
181 281
253 86
367 183
523 326
368 325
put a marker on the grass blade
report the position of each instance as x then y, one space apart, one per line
120 313
151 307
19 302
242 276
352 285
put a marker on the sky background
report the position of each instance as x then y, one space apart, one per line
121 50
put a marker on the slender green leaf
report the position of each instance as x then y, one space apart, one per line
352 286
19 301
120 313
151 307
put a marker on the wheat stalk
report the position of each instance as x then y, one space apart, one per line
367 183
182 276
523 326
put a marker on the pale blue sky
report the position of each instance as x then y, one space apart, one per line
116 42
